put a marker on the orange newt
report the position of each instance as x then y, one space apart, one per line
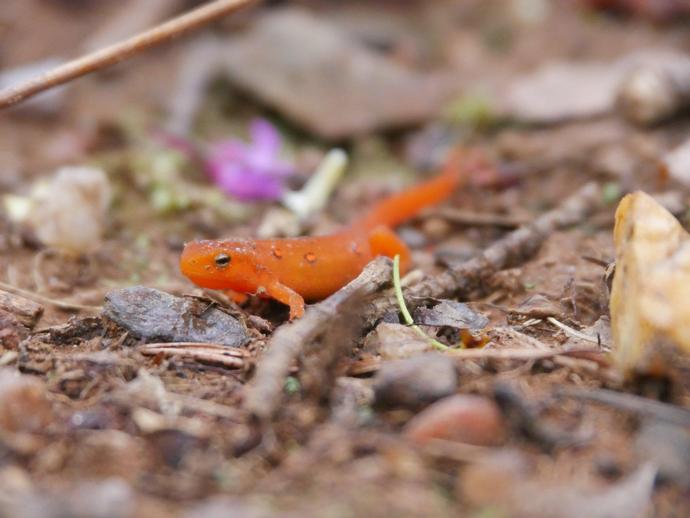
293 270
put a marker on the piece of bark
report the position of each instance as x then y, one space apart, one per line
26 311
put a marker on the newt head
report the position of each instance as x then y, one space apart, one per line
221 265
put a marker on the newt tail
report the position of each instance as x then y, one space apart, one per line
293 270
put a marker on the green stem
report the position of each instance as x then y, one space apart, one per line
403 308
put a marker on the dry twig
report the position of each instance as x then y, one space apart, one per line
58 303
470 218
290 341
229 357
118 52
575 333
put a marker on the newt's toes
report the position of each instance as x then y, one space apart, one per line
296 312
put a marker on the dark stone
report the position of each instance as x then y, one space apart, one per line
158 316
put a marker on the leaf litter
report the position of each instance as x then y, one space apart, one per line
126 391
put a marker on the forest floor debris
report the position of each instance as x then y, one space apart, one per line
127 391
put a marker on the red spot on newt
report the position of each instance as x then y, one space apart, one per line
311 268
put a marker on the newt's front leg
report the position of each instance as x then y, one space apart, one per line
287 296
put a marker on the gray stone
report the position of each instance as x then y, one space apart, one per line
158 316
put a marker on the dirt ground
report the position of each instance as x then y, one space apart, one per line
358 415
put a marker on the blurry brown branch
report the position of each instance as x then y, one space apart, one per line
292 341
120 51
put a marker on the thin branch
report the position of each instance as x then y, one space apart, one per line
118 52
290 341
62 304
199 351
574 332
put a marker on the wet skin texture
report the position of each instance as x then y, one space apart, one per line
311 268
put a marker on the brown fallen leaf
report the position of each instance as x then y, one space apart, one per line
650 296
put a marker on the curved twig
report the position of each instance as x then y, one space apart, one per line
120 51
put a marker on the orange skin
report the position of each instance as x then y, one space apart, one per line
293 270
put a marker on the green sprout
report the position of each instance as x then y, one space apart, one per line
405 312
292 385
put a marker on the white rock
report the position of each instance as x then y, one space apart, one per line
69 211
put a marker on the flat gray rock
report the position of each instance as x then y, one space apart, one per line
314 73
158 316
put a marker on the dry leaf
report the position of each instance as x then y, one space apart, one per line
650 297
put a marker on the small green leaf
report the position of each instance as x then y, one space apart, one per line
611 193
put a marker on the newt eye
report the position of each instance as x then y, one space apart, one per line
222 260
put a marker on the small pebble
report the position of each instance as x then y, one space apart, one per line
24 405
462 418
415 382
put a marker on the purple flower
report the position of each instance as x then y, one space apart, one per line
250 171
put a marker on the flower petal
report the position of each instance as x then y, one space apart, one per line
265 137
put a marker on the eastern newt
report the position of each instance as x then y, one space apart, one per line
293 270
